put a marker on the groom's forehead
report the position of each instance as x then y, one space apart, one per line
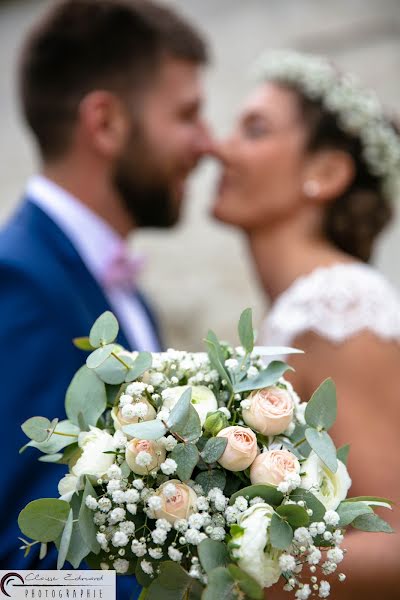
177 80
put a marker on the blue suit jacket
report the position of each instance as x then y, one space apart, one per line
47 297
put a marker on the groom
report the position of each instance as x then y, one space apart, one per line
111 92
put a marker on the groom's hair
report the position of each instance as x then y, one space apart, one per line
83 45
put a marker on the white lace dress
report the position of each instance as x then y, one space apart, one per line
335 302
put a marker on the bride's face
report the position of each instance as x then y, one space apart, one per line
263 161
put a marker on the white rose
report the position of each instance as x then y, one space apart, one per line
93 461
68 485
330 488
249 546
203 399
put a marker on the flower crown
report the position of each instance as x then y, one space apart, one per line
358 110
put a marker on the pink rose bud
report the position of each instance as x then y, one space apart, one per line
156 451
179 504
240 450
270 411
271 467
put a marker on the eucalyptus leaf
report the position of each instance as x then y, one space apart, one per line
83 343
311 502
186 457
210 479
104 331
280 533
173 583
140 365
371 522
323 446
190 430
85 518
50 458
348 511
268 493
96 358
86 394
295 515
247 584
78 549
214 449
112 370
180 411
214 354
269 376
212 554
321 410
43 551
220 585
245 328
146 430
56 442
372 501
65 541
36 428
342 453
44 520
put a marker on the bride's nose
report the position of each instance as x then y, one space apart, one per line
221 150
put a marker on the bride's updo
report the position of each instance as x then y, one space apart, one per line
338 113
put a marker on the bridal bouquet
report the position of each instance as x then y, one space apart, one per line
203 474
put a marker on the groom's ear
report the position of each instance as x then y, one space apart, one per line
333 171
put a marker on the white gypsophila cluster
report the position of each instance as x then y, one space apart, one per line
357 109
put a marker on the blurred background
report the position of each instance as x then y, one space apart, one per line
199 275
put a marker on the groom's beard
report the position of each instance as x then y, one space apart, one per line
145 192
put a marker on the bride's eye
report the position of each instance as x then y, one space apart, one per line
255 127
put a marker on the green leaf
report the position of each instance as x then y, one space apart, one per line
55 442
36 428
210 479
214 449
43 551
186 457
50 458
65 541
245 328
216 356
86 394
221 585
78 549
371 522
83 343
343 453
348 511
96 358
190 430
321 409
311 502
372 501
180 412
296 516
173 583
247 584
140 365
143 578
44 520
146 430
269 376
323 446
104 330
281 534
268 493
86 525
212 554
112 371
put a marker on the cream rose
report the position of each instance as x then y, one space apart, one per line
203 399
155 449
251 547
270 411
93 460
240 450
330 488
273 466
179 505
120 421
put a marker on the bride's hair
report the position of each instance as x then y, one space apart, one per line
354 219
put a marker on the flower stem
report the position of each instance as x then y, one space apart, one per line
120 360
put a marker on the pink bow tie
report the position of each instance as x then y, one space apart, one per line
123 268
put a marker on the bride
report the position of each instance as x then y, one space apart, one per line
309 176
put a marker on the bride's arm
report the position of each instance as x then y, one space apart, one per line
366 371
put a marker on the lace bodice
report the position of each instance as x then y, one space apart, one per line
335 302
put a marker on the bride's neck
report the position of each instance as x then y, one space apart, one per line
287 251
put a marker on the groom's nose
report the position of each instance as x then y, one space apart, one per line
205 142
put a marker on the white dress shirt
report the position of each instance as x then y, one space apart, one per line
95 241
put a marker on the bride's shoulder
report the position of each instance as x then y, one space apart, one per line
335 302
